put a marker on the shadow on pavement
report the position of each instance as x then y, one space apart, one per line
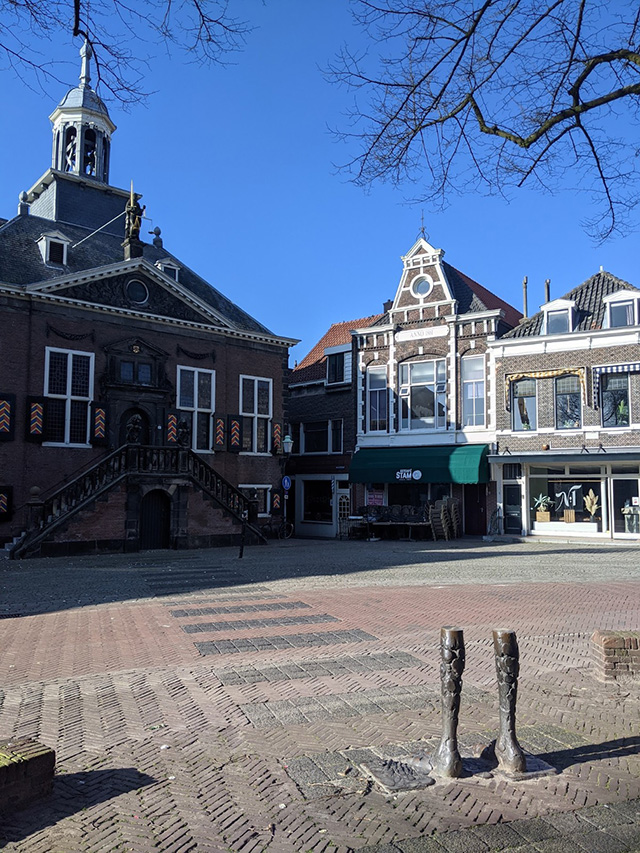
33 586
72 793
565 758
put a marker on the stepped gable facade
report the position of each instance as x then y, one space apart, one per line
425 422
139 406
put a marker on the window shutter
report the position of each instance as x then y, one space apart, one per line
6 503
234 426
7 417
36 418
276 437
219 432
172 427
98 435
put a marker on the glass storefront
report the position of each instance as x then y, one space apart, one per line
583 500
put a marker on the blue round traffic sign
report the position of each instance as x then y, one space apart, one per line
286 483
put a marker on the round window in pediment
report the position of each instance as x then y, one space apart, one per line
422 286
137 292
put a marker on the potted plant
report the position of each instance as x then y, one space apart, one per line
591 504
542 505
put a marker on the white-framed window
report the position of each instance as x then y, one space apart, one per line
621 309
614 399
169 268
68 385
335 368
558 316
568 402
558 322
423 395
256 408
196 404
524 404
259 492
473 379
53 248
377 399
322 436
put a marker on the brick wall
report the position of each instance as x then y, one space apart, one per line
26 772
616 654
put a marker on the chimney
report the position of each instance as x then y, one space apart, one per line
547 290
524 297
387 306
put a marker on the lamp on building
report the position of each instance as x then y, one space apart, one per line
287 445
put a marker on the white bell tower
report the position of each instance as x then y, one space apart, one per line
82 129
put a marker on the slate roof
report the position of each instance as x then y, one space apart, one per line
472 296
21 262
313 365
589 306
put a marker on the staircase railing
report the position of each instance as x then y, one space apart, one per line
44 516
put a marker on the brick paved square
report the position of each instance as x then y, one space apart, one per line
251 739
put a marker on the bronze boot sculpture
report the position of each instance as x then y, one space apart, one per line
507 749
446 759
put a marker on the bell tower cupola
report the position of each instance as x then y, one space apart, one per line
82 129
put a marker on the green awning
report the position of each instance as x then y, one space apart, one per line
465 463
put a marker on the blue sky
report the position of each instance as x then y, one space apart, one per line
237 167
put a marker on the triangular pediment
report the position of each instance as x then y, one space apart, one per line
136 346
134 288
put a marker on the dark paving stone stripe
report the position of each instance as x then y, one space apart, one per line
239 608
246 624
227 595
177 586
308 709
291 641
346 664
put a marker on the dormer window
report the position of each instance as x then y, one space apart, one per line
338 364
53 248
335 367
169 268
621 309
559 317
557 322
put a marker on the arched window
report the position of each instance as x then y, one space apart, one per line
89 152
70 152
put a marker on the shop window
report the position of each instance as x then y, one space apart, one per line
256 410
472 370
614 399
317 496
524 404
568 403
377 399
69 389
423 399
572 498
196 401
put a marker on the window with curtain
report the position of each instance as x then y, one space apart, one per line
524 405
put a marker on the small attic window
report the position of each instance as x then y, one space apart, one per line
558 322
169 268
621 309
559 317
56 252
53 248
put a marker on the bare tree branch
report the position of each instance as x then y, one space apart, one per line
535 91
122 35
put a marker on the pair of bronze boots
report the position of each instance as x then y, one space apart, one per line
446 760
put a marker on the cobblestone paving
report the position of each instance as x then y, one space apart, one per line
250 742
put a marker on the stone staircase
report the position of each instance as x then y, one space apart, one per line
59 506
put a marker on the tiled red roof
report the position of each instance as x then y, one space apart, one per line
313 365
